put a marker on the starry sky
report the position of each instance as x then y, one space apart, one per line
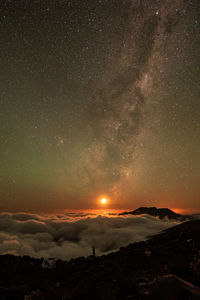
99 98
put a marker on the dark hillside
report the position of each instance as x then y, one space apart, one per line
167 266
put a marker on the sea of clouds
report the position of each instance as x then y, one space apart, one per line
72 235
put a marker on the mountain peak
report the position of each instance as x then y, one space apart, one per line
154 211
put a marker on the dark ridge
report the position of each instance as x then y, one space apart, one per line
167 267
156 212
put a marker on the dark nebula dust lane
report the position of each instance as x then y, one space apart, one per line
99 98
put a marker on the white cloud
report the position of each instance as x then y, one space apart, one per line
73 235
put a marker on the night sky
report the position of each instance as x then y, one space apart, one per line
99 98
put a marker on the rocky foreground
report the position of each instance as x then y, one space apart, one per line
167 266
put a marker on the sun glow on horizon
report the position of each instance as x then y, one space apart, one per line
103 200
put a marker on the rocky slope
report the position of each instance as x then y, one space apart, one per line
167 266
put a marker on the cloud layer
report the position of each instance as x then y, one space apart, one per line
72 235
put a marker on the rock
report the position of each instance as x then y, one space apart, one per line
27 297
172 287
49 263
147 252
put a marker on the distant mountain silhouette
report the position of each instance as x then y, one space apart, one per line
156 212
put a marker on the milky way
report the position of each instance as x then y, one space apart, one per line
100 98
